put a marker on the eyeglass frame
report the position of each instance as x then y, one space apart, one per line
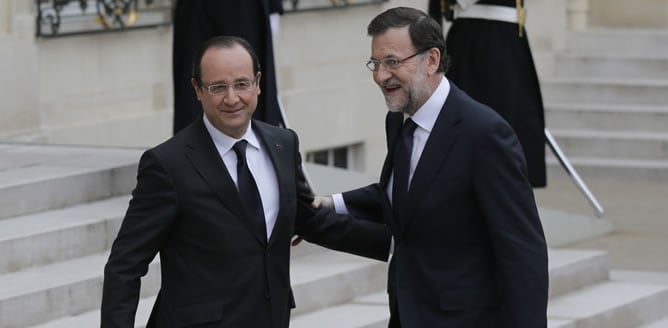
377 63
228 86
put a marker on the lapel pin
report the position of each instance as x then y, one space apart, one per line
279 146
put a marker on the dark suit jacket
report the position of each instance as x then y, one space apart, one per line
470 251
196 21
217 269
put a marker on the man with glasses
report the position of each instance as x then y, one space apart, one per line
220 201
195 21
469 249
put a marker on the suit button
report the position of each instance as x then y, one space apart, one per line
266 294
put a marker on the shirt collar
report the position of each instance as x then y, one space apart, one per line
225 142
425 117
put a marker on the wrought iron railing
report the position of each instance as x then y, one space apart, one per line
311 5
71 17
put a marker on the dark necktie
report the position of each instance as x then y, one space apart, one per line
402 163
250 197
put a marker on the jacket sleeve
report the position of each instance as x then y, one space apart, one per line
337 231
276 7
366 202
150 214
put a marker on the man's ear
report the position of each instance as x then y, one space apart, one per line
434 57
198 90
257 79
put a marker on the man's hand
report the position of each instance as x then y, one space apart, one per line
323 201
318 202
296 241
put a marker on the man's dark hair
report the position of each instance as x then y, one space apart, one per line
424 31
224 41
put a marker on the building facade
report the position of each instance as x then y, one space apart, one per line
115 89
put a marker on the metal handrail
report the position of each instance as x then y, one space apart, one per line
575 177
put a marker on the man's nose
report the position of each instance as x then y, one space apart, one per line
381 74
230 97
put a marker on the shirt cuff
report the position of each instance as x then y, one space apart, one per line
340 204
392 246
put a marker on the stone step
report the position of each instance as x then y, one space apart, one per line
574 269
644 277
619 41
613 144
45 293
661 323
328 278
605 91
559 323
70 288
606 117
58 235
566 228
36 178
370 311
644 170
611 304
606 304
92 318
649 277
650 66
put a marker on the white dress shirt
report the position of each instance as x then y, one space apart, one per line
259 164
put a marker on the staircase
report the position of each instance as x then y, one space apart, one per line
607 105
62 207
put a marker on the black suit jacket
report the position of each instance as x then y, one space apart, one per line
217 269
470 251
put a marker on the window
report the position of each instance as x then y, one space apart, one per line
345 157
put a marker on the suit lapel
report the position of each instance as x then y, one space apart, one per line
441 139
203 155
273 143
393 122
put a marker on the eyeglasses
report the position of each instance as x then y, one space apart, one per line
389 63
237 87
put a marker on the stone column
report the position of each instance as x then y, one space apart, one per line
19 78
5 11
578 12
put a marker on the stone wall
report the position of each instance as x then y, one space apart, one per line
629 14
101 89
